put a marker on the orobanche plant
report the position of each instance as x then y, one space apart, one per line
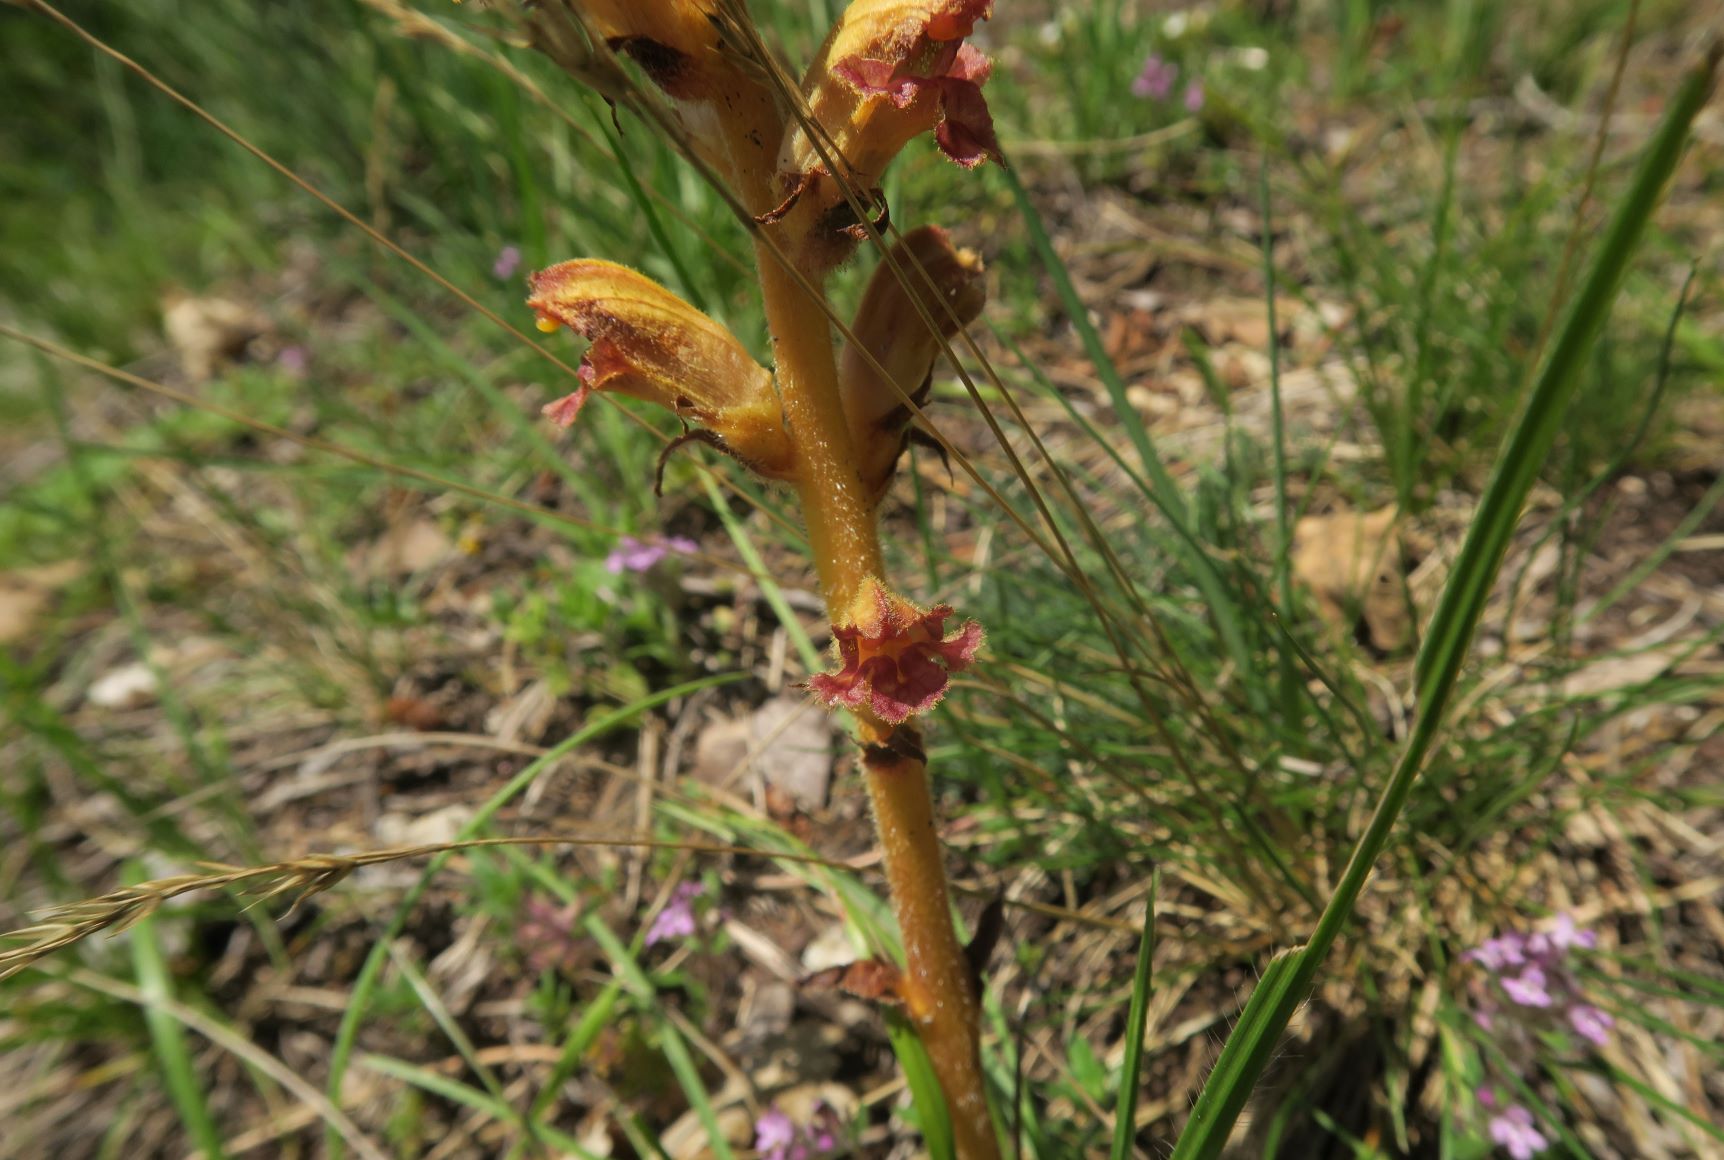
803 164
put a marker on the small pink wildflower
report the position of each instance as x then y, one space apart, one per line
292 361
778 1137
632 555
823 1127
1528 988
1563 935
774 1135
1194 96
1496 953
1513 1129
1156 79
1591 1024
676 920
508 261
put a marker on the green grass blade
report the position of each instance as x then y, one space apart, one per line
365 986
457 1092
1451 631
173 1055
769 589
1282 571
1127 415
1164 491
676 1052
1142 986
1657 1099
1247 1053
925 1093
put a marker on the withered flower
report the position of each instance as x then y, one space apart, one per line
894 658
890 327
648 343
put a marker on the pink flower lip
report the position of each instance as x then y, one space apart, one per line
953 75
895 658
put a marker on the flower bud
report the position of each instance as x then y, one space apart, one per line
890 325
648 343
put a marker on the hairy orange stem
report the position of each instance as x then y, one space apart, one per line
939 990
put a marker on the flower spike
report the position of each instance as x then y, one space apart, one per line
894 658
648 343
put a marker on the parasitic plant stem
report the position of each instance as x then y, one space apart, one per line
890 71
939 989
840 518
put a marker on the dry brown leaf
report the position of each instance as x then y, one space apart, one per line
405 548
1613 674
208 332
873 979
1351 562
130 686
792 744
1241 320
26 592
786 742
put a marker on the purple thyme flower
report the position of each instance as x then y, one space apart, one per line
292 361
546 935
778 1137
823 1127
632 555
1514 1130
1528 989
676 920
1591 1024
1194 96
774 1135
1536 976
1156 79
508 261
1496 953
1562 935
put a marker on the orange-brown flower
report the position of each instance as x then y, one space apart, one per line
648 343
891 324
891 70
688 49
894 658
